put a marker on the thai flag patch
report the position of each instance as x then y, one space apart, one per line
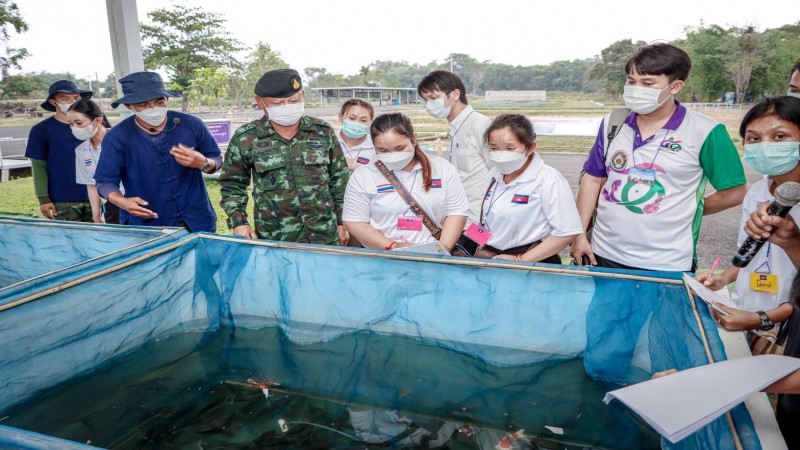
385 188
519 198
436 183
88 162
362 160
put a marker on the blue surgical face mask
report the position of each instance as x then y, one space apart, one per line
354 130
437 109
772 158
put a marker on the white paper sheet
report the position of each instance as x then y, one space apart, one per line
677 405
707 295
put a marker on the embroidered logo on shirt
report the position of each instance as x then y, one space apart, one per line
384 188
619 160
436 183
519 198
362 160
87 162
671 145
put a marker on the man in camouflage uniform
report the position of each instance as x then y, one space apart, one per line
297 168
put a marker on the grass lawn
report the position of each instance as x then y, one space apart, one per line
17 199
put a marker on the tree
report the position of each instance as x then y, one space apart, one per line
611 66
209 85
706 47
743 49
20 86
10 17
183 39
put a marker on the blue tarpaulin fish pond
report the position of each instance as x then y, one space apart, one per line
466 342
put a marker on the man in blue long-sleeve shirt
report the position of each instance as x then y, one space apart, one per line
158 155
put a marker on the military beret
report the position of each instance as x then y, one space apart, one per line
279 83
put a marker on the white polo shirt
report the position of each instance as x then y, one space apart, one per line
86 159
470 156
532 207
770 259
655 224
362 154
371 198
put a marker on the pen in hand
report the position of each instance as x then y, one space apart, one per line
713 269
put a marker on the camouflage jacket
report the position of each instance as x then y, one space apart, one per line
298 184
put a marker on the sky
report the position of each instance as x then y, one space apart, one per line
343 35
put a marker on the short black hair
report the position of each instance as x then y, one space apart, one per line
784 107
518 124
660 59
444 81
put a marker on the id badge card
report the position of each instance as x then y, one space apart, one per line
642 176
409 223
764 282
478 234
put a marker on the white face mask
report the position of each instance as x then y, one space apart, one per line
793 94
395 160
507 161
288 114
84 133
643 100
152 116
64 107
437 109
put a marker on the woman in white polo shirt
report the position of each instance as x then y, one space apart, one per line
528 211
354 138
89 124
376 212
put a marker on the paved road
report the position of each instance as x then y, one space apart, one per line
717 234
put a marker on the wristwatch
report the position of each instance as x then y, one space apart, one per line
766 322
209 163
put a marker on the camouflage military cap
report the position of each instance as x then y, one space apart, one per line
279 83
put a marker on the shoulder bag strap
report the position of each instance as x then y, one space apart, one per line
405 195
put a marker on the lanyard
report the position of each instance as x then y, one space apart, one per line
410 193
347 149
452 139
633 150
491 203
766 262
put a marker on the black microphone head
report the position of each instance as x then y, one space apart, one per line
788 194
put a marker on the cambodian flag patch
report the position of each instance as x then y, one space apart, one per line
519 198
385 188
362 160
436 183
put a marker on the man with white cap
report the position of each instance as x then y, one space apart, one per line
159 156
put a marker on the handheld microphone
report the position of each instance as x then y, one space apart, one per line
786 196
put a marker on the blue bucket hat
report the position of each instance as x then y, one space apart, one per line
140 87
67 87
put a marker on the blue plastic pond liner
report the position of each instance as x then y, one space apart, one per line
503 314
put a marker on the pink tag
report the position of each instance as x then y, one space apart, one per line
409 223
478 234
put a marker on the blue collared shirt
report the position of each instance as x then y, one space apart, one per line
147 170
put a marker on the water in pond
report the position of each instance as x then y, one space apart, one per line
256 389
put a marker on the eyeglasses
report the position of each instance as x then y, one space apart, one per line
156 102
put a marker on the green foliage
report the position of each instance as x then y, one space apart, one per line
209 85
183 39
21 86
11 18
610 69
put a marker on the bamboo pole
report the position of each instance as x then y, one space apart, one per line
94 275
105 255
735 433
